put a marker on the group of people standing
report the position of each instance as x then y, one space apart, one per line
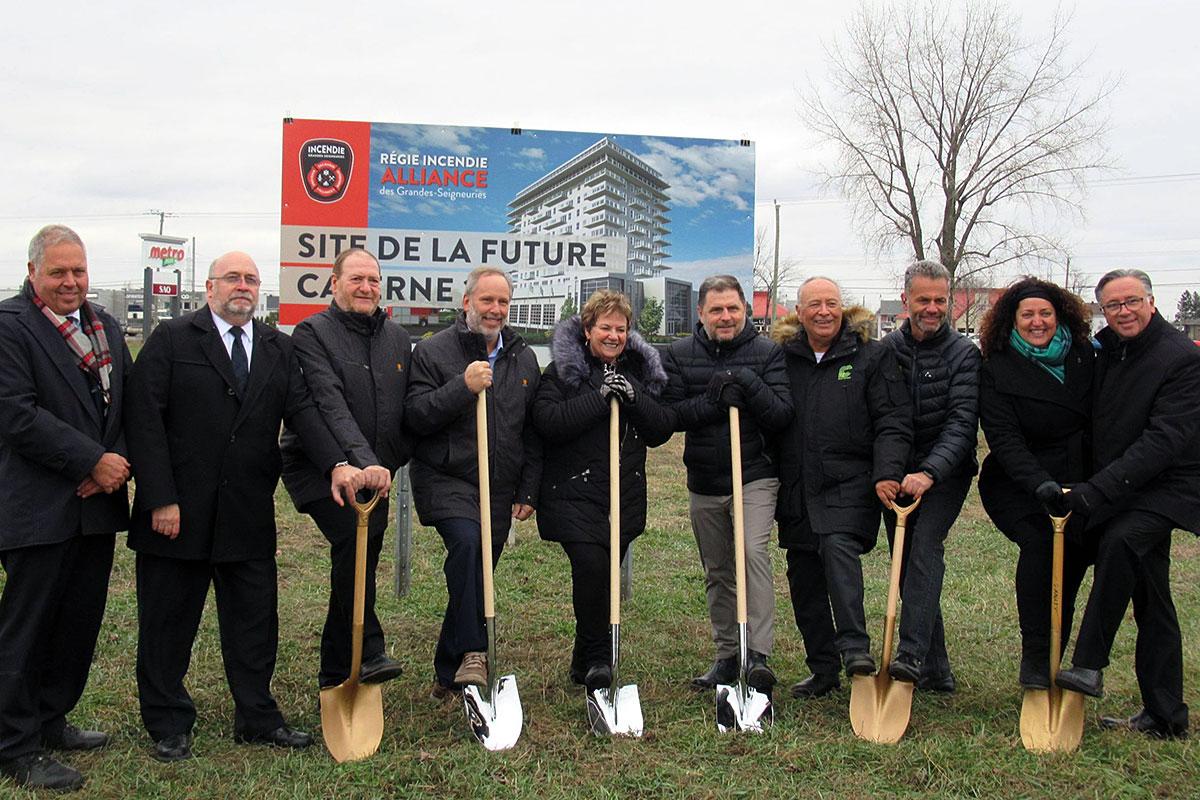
835 426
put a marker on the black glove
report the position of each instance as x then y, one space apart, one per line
1084 499
617 385
1050 495
725 390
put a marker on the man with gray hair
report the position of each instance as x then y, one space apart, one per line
449 370
63 467
1146 452
726 363
941 368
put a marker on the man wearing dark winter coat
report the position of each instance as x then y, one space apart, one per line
726 363
477 353
941 367
63 364
843 454
596 359
206 400
1146 446
356 363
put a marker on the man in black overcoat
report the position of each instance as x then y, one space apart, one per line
1146 448
63 363
206 400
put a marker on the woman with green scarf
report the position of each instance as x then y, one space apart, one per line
1034 407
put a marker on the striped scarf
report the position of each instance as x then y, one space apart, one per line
90 345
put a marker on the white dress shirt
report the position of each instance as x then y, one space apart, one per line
223 329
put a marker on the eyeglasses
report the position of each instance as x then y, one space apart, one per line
233 279
1133 304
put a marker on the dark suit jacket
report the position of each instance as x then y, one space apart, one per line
195 442
52 434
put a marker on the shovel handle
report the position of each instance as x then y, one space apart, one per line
485 503
1056 581
360 583
739 518
614 512
893 596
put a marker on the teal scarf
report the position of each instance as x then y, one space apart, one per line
1052 357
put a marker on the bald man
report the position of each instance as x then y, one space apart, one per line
207 395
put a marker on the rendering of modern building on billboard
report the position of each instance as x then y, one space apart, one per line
603 191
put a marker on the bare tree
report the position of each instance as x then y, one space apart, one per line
953 133
765 278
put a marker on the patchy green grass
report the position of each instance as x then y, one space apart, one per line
967 745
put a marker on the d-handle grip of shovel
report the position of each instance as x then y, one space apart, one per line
364 509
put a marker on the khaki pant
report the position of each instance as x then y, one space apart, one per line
712 524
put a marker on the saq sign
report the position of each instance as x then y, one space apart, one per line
563 212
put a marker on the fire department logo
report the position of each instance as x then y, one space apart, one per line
326 166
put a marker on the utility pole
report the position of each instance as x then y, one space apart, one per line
772 295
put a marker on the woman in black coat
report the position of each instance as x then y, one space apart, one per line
1035 401
596 357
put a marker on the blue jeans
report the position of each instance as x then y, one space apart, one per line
463 629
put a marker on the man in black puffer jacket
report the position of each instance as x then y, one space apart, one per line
1146 448
843 455
942 370
356 363
479 352
726 363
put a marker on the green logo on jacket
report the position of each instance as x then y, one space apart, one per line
844 372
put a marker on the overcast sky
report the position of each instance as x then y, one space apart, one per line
112 109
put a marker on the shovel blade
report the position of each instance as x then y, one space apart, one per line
880 707
621 717
352 720
495 722
1051 720
743 708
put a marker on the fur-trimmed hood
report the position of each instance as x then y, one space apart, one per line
858 319
568 348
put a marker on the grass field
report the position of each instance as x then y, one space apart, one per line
966 745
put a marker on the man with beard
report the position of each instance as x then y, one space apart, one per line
356 365
1146 449
843 454
477 353
63 364
726 363
941 367
206 399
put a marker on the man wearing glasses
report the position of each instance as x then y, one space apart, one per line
1146 450
207 396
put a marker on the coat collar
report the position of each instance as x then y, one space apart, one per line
569 350
60 354
1016 375
262 363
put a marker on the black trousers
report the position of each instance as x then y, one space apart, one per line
50 614
463 629
1133 562
171 594
1034 535
339 525
590 598
810 606
842 555
923 567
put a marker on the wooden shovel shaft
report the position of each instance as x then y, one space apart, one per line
893 597
1056 580
614 513
485 503
739 519
363 511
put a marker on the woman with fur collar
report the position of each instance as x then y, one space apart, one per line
596 357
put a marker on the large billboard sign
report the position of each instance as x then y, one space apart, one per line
565 212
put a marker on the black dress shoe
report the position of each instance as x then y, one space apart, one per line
758 674
1082 680
599 676
1143 722
816 685
40 771
905 669
71 738
858 662
723 670
177 747
943 684
283 736
379 669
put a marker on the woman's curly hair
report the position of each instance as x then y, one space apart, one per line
997 324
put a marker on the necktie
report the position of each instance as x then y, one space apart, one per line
241 364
